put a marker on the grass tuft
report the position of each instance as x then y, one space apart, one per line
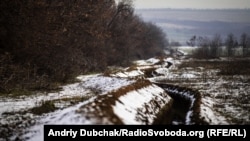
46 107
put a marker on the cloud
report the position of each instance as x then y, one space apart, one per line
200 4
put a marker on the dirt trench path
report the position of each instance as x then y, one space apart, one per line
186 106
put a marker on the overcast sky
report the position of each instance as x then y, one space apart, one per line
200 4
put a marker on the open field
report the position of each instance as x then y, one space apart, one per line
214 92
224 86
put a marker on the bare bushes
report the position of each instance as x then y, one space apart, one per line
236 67
44 43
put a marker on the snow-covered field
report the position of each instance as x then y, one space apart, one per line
225 98
129 96
121 92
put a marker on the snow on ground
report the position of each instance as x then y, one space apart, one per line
83 88
218 104
67 116
162 71
90 87
153 60
228 98
187 75
160 66
150 61
187 50
127 107
129 74
23 103
104 84
225 99
207 111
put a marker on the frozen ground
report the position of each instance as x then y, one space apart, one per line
15 114
225 99
139 100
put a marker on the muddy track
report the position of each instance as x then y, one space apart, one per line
186 106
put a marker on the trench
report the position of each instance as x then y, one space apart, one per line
185 108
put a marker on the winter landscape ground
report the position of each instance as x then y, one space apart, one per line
146 93
59 65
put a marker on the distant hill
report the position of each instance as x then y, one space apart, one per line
181 24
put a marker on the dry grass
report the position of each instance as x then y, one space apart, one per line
46 107
163 117
148 72
202 63
50 106
226 67
226 81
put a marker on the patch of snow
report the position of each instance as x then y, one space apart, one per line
214 92
105 84
186 75
169 59
162 71
129 74
188 117
67 116
187 50
150 61
211 116
126 108
153 61
120 74
27 102
221 95
141 63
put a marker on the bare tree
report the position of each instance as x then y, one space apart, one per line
203 50
192 41
244 42
216 42
53 41
231 42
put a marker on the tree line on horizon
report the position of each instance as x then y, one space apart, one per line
212 47
46 43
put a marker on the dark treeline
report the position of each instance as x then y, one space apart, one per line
215 47
43 42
